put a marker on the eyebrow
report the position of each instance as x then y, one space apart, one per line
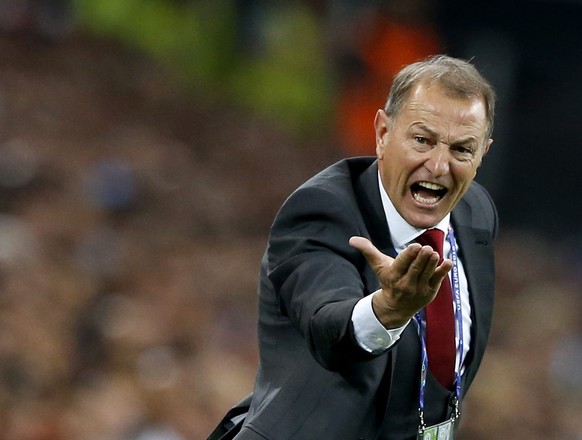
463 141
471 140
425 128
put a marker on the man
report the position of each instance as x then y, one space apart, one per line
348 336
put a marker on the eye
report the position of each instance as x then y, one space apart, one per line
464 152
421 140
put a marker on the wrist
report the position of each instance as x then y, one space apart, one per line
390 317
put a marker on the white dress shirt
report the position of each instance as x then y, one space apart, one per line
369 332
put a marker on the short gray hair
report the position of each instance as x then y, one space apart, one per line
457 77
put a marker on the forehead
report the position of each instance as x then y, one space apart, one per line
432 105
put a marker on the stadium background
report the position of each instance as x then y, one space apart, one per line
145 146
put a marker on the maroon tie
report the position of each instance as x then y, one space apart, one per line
440 322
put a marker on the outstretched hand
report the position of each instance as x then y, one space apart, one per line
407 283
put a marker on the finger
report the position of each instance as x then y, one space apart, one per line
422 268
440 273
413 264
404 259
371 252
427 264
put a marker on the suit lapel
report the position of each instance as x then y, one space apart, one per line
476 253
372 210
370 204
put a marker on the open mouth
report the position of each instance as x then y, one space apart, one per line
427 192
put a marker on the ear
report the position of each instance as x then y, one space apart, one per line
489 142
486 150
381 123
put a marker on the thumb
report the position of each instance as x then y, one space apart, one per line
371 252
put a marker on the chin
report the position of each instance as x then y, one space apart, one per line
423 221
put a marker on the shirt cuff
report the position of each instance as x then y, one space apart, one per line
371 335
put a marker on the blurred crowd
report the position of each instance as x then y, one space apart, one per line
133 219
51 19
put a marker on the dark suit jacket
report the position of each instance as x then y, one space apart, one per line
314 382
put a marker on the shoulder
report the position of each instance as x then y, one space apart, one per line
341 174
482 209
324 210
331 188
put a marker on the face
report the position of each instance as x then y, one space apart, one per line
428 154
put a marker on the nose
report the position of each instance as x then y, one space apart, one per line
437 161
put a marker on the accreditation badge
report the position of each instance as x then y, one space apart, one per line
442 431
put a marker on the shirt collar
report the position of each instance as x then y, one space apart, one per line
402 232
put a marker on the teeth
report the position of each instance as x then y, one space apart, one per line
425 199
429 185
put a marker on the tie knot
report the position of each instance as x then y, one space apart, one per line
433 238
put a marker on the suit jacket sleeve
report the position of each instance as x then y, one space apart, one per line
316 274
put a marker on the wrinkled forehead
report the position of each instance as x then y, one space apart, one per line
455 91
433 113
435 103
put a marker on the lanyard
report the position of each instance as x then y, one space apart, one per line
456 288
